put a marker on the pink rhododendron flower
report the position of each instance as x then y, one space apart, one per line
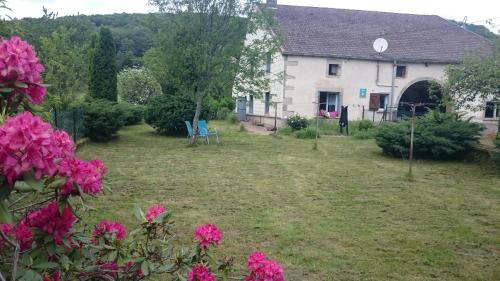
27 142
21 232
6 229
55 277
18 62
109 230
262 269
207 234
154 212
88 175
201 273
49 220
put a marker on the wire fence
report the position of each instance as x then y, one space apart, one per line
70 121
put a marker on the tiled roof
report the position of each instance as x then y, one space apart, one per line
328 32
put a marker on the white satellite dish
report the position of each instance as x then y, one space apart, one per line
380 45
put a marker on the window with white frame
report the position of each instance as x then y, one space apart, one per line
250 104
328 102
491 110
383 101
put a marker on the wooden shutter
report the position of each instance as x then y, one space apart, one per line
374 102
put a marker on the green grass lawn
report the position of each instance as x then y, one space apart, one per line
344 212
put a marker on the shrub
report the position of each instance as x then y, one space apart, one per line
167 114
365 125
232 118
102 69
219 108
495 154
307 133
132 114
297 122
137 86
437 136
102 119
223 113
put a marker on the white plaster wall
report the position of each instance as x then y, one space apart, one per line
308 75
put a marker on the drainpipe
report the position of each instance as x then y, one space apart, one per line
393 85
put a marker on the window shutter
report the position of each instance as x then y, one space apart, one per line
374 102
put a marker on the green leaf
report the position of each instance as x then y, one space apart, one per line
5 191
20 84
145 268
5 215
138 213
65 262
31 275
56 183
46 265
30 179
6 90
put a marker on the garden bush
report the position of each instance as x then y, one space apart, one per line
437 136
219 108
297 122
44 188
167 114
364 134
132 114
365 125
232 118
102 119
307 133
495 154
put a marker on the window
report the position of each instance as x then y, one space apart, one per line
401 71
333 69
267 100
328 101
268 63
383 102
491 110
250 104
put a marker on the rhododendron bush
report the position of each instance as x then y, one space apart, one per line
44 188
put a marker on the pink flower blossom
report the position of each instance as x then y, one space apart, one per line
154 212
88 175
27 142
55 277
262 269
19 62
201 273
207 234
49 220
109 230
21 232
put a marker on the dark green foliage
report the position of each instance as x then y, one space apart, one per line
365 125
297 122
167 113
103 72
232 118
437 136
495 154
307 133
132 114
220 108
102 120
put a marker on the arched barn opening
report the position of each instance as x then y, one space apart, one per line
423 92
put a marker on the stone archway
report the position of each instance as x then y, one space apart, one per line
418 92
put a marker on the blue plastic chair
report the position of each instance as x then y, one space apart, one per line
205 132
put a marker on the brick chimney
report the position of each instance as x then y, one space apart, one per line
272 3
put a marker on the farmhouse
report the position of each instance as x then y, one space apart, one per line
328 61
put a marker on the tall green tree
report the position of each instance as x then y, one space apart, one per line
474 81
103 70
203 51
66 65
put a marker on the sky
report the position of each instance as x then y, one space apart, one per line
477 11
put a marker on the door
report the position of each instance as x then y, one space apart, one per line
242 109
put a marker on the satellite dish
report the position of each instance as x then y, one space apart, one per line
380 45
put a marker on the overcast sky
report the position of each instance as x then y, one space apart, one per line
476 11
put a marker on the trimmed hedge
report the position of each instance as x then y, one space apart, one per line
437 136
102 120
132 114
167 113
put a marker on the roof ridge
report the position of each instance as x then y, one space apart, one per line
357 10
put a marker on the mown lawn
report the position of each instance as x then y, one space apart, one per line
344 212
